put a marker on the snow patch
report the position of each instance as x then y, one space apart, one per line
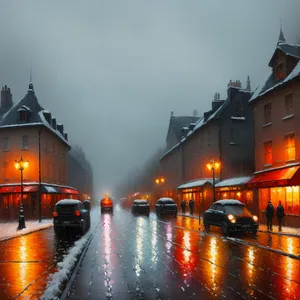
194 183
233 181
238 118
9 230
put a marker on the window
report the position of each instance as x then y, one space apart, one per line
23 116
6 143
25 142
268 153
290 149
280 71
291 204
289 110
268 113
5 168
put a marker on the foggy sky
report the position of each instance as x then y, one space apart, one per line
112 71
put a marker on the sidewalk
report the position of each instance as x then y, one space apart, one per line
8 230
288 231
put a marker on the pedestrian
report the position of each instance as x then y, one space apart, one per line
183 206
192 204
270 215
280 215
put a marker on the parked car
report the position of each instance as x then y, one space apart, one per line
166 206
71 214
106 204
231 216
141 207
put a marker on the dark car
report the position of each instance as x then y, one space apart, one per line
166 206
106 204
141 207
231 216
71 214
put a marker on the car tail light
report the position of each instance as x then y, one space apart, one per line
255 218
77 213
54 214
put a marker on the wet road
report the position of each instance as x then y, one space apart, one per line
148 258
27 261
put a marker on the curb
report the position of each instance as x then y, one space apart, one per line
263 247
66 291
260 230
26 233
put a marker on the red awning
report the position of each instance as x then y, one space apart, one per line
17 189
68 191
279 177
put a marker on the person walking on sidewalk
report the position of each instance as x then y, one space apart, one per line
270 215
192 204
183 206
280 215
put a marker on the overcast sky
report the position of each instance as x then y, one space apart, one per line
112 71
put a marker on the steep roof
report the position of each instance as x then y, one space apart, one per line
177 122
35 116
287 49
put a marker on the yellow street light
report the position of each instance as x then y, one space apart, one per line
162 180
157 181
213 166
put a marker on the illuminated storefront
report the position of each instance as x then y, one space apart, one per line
236 188
10 199
201 191
280 184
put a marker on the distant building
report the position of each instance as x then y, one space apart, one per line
29 131
276 109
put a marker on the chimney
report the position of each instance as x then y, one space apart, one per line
192 126
172 113
60 128
184 131
6 98
248 88
235 84
48 117
66 136
195 113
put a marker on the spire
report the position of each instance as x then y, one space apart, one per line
281 38
30 87
248 88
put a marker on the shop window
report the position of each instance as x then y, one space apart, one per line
290 149
289 107
292 203
264 197
268 153
280 71
268 113
277 194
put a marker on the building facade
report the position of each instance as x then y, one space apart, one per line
277 134
29 132
223 134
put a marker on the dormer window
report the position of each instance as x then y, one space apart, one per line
279 72
23 116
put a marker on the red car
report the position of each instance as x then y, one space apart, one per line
106 204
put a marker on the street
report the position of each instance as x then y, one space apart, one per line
136 257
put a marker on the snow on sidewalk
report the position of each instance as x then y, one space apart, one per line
10 230
285 230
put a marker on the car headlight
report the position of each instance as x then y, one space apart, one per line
231 218
255 218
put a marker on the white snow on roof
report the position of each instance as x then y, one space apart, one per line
166 199
170 150
46 111
194 183
50 189
238 118
24 107
229 202
293 74
140 201
68 201
233 181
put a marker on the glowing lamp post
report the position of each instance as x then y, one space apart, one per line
160 180
213 166
21 165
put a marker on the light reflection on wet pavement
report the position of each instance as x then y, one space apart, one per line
27 261
149 258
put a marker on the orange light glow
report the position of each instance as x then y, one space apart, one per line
54 214
238 194
157 181
209 166
162 180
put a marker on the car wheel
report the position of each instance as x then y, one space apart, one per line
206 226
225 228
82 227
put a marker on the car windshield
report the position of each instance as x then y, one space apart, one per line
168 202
236 210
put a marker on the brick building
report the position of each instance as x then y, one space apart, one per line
224 134
277 133
30 132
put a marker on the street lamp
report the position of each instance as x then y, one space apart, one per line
21 165
160 180
213 166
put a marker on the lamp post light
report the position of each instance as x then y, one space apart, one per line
213 166
21 165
